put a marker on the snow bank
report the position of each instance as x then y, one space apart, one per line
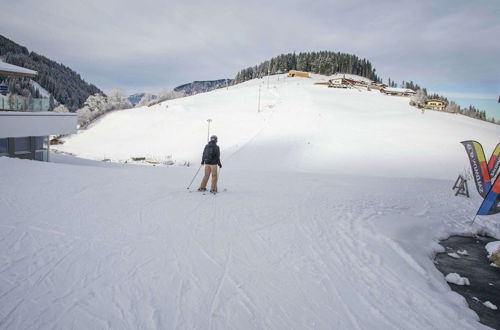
492 247
457 279
490 305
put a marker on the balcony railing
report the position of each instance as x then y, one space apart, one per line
24 104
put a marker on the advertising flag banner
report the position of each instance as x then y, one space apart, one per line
491 203
494 163
479 166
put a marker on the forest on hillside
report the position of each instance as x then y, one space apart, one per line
324 62
64 84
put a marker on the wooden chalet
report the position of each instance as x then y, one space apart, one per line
295 73
435 104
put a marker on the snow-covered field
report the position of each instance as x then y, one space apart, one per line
301 127
335 202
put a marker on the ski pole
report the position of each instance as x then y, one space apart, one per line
218 176
194 176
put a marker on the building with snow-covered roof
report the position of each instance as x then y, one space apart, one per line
435 104
26 123
341 83
360 80
397 91
378 86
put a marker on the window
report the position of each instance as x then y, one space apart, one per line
22 145
4 146
41 143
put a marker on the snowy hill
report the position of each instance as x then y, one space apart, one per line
304 126
330 208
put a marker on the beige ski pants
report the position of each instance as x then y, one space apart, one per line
210 169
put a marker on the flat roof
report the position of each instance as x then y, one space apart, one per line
14 70
399 90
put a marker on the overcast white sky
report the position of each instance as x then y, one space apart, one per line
449 46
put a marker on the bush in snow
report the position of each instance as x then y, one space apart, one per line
84 116
419 98
98 104
117 100
60 108
167 94
95 106
452 107
146 100
163 95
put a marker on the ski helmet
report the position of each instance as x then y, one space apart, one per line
213 138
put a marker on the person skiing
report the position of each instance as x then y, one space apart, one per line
210 158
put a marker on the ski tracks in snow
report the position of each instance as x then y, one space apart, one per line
310 258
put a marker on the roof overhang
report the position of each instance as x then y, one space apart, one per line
14 70
18 124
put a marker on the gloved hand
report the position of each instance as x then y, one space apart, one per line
220 166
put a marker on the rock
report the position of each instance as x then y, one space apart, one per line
495 258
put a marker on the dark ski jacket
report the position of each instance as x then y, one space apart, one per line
211 154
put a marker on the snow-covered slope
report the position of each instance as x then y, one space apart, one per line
304 126
43 91
315 226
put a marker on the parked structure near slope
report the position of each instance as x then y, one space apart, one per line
341 83
435 104
398 91
349 80
295 73
378 86
26 123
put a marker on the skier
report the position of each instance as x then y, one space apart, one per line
211 158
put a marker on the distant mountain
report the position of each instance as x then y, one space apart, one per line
136 98
64 84
203 86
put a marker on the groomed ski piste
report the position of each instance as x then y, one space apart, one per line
331 207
